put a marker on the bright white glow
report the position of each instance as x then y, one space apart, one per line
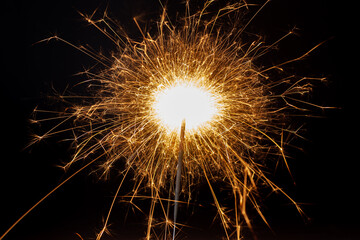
194 104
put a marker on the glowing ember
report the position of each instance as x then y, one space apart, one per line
185 101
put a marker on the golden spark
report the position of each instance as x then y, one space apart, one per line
200 71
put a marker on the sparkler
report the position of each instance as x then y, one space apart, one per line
196 73
188 104
178 174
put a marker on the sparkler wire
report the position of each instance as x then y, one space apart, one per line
178 174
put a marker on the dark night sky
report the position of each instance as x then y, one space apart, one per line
325 172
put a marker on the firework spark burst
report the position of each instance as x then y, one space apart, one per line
135 106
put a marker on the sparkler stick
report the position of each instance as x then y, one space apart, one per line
178 174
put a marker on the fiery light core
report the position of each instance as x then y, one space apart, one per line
185 101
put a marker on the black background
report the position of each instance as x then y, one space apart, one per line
325 172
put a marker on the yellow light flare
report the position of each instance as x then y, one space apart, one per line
185 101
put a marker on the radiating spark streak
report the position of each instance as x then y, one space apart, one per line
80 48
220 211
294 59
94 23
251 19
77 234
111 206
48 194
267 48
